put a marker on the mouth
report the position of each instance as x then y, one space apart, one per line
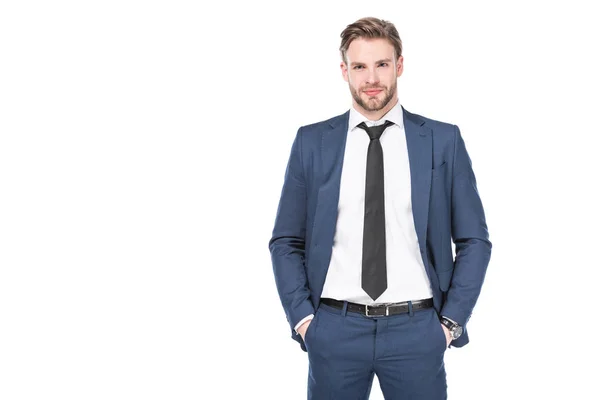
373 92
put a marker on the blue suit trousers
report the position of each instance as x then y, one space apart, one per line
346 349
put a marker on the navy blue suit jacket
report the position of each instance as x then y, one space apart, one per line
446 207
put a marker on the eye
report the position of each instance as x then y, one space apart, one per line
384 64
357 66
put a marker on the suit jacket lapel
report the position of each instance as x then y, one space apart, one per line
420 147
333 145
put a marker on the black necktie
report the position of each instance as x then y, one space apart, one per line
374 271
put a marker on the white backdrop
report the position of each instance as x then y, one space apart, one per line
142 154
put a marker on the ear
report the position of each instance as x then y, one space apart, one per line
344 69
399 66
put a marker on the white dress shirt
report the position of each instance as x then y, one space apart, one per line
406 275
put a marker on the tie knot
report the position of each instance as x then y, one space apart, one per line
375 132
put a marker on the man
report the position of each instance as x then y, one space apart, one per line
361 246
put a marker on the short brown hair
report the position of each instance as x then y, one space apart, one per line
370 28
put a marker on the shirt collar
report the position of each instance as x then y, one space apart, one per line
395 115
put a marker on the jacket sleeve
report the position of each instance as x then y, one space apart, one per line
470 236
287 244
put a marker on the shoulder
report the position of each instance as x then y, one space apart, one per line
434 124
319 126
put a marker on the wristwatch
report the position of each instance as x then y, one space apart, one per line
455 329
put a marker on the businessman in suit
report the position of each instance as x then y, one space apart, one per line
361 245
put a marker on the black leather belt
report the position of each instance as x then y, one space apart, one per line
380 310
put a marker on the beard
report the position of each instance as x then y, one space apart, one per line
373 103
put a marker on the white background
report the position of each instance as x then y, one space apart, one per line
142 153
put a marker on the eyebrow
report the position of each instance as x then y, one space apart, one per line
376 62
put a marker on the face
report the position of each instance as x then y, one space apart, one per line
371 74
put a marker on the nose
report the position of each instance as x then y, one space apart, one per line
372 77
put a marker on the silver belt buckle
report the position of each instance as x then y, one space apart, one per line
387 311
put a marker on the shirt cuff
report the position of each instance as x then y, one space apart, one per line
303 320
